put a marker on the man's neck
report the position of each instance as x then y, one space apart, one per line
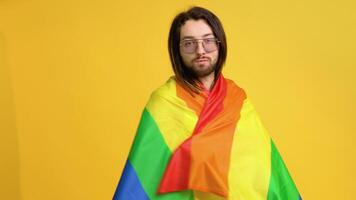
207 81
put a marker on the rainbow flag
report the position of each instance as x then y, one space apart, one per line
210 146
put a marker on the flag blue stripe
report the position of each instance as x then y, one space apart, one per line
130 187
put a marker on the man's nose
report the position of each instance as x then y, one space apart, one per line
200 48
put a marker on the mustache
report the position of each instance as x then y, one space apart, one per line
202 57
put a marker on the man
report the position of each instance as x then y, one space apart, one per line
199 136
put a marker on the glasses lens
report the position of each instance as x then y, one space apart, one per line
190 46
210 45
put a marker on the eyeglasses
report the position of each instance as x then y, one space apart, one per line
190 46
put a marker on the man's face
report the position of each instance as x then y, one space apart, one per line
200 62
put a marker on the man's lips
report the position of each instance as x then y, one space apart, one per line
201 60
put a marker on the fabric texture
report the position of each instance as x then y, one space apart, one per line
210 146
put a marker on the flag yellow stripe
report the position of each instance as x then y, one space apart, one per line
174 129
250 165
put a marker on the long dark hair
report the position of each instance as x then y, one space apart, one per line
183 75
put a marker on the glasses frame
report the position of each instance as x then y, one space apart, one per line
197 43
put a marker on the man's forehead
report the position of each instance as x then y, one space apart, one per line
194 29
186 37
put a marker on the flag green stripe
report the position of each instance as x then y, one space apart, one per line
281 185
149 156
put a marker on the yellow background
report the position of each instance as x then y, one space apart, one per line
75 76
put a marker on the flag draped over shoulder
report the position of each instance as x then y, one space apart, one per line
210 146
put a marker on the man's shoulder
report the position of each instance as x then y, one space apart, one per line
162 94
166 89
233 86
169 85
229 81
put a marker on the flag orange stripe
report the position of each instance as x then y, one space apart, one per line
210 150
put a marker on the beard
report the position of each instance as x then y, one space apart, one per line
201 70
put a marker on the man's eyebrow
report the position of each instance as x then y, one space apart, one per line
191 37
